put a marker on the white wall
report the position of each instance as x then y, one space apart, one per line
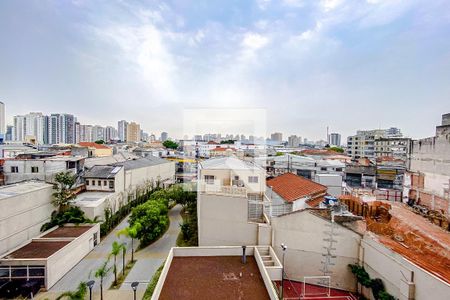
139 176
223 221
303 233
66 258
22 215
395 271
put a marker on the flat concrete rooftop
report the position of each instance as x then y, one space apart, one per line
37 250
91 199
67 232
213 277
12 190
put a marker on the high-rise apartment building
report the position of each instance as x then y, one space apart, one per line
294 141
164 136
86 133
133 132
276 137
61 129
98 133
110 133
122 127
363 143
334 139
9 133
19 128
2 118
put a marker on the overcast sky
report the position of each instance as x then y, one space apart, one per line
347 64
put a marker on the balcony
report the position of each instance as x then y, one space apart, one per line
217 188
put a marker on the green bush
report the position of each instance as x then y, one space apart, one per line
153 218
72 215
376 284
361 275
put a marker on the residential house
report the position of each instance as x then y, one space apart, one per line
96 150
289 192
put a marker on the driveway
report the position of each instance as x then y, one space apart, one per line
149 259
85 269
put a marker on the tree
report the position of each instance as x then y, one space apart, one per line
153 218
100 142
131 232
116 248
227 142
124 252
63 190
79 294
336 149
170 144
101 273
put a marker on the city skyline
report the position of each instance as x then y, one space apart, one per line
267 135
310 64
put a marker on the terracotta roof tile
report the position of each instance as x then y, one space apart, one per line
292 187
93 145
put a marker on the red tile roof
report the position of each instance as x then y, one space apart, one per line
292 187
223 149
93 145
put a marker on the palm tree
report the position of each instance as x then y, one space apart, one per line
101 273
116 248
131 232
79 294
124 252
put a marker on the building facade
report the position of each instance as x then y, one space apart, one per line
122 130
334 139
428 179
133 133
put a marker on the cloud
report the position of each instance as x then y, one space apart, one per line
329 5
262 4
294 3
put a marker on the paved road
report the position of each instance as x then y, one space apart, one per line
150 258
85 269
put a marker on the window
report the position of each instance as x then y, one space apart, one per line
87 182
34 170
93 182
105 183
253 179
209 179
14 169
111 184
323 169
338 169
99 183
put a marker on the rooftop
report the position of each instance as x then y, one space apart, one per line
141 163
93 145
228 163
37 249
103 172
21 188
67 232
220 149
119 157
91 199
213 277
292 187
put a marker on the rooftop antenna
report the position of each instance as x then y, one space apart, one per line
328 136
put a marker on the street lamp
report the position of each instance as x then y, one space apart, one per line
90 285
134 287
283 247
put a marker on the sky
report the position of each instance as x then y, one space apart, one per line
346 64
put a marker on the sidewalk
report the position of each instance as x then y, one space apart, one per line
149 259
